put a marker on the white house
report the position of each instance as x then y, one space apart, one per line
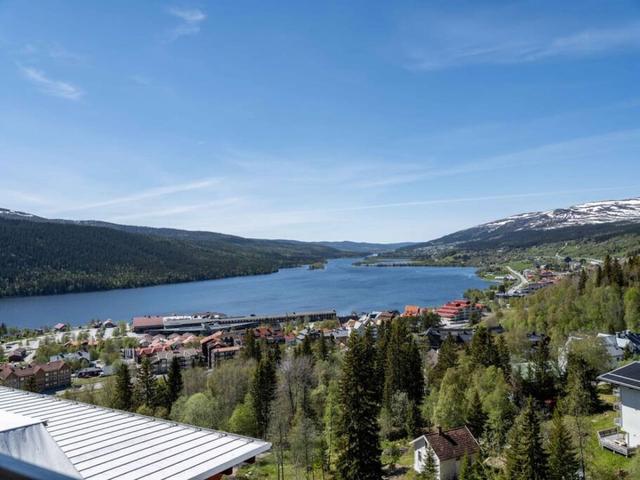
447 449
626 438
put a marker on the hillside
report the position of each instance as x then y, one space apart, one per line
364 247
587 230
41 256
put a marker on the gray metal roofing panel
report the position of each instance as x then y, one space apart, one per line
106 444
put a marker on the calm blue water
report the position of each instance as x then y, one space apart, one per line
340 286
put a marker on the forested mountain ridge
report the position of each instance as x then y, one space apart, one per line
40 257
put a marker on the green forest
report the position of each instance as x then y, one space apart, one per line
39 258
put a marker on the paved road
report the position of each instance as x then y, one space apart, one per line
521 284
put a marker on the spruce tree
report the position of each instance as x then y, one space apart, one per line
145 388
582 395
323 349
403 370
483 351
251 346
357 431
174 381
447 358
526 458
476 417
582 281
563 459
123 391
542 379
503 357
263 391
430 469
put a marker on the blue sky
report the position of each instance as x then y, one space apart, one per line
378 121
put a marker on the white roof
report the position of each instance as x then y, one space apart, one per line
105 444
27 439
11 421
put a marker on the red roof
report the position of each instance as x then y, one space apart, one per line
147 321
453 443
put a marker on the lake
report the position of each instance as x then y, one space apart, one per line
340 286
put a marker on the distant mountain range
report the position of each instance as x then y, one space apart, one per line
596 221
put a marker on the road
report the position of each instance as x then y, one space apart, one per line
521 284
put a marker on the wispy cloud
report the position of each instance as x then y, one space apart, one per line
557 153
179 209
151 193
453 42
50 86
190 21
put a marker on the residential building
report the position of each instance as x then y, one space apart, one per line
459 312
625 437
17 354
47 376
446 449
160 361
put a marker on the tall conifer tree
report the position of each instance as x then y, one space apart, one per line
123 390
526 458
563 460
357 426
263 390
174 381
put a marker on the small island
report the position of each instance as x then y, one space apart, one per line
317 265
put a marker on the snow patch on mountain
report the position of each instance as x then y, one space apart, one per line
14 213
583 214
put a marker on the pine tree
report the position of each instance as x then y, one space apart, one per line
174 381
263 391
251 346
124 391
357 431
476 417
526 458
563 460
145 388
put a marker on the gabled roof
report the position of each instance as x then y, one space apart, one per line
627 376
106 444
454 443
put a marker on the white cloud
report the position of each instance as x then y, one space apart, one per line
190 21
451 42
49 86
151 193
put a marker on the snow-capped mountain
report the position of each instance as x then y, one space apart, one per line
583 214
587 220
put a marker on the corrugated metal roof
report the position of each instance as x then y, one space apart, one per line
107 444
